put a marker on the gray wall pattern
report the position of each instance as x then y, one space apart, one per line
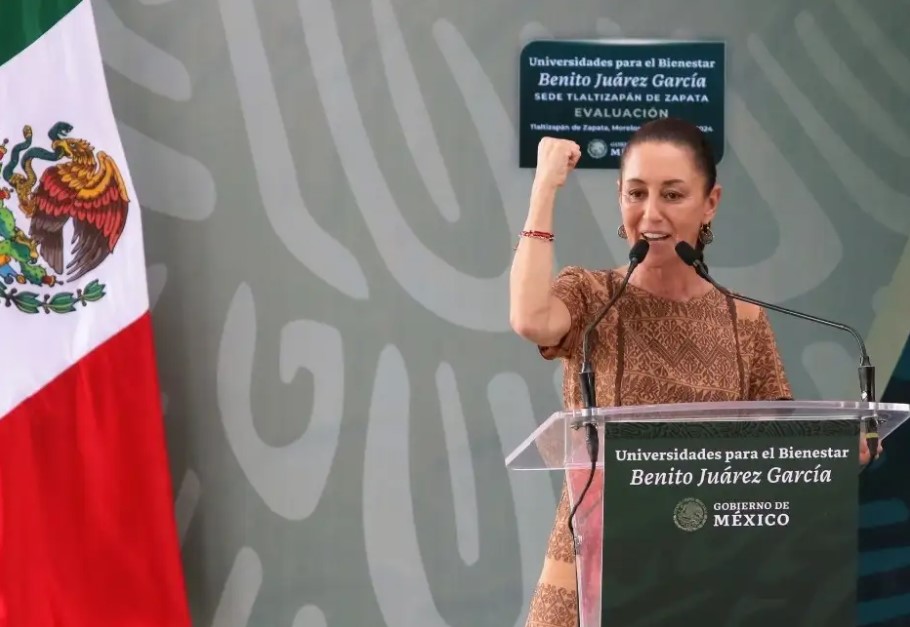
331 197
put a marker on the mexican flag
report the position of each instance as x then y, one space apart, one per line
87 531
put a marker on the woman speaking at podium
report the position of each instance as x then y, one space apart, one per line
671 338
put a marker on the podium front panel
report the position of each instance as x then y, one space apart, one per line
720 523
677 528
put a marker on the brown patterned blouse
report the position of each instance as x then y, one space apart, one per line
649 350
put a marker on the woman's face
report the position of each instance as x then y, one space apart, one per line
663 198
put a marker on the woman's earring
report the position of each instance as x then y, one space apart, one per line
705 235
621 231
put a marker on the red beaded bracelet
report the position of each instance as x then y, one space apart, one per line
542 235
538 235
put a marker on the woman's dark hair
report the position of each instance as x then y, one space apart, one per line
680 133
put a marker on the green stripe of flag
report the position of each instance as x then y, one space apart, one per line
24 21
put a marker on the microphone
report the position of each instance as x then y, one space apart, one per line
586 375
866 370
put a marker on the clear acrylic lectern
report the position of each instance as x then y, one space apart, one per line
716 513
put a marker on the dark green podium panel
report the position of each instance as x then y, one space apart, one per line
730 524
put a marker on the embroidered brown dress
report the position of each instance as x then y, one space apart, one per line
650 350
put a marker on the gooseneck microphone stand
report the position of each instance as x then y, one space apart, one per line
866 370
586 379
